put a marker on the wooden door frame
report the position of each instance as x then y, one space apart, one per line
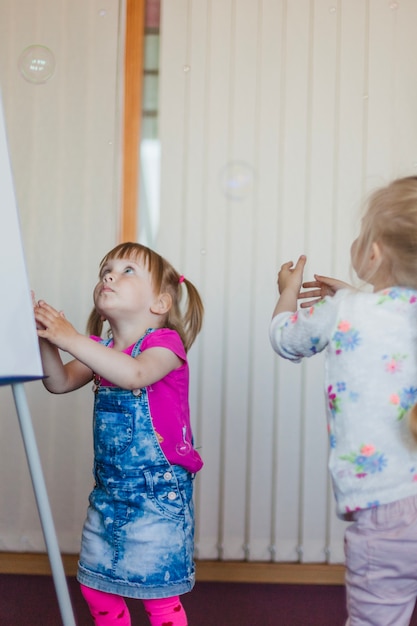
132 114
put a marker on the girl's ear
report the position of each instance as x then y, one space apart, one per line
376 253
375 258
161 304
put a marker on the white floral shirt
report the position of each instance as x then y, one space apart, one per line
370 341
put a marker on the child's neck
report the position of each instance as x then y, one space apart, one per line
382 284
126 335
382 280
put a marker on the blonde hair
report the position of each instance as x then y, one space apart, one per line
165 279
391 222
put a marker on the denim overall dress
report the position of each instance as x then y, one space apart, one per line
138 537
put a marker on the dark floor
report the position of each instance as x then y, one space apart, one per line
31 601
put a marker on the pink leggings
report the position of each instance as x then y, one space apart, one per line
108 609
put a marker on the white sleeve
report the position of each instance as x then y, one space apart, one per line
305 332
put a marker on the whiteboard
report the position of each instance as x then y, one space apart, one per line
19 350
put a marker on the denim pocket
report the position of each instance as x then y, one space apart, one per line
113 432
163 491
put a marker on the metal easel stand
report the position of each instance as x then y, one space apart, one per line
44 509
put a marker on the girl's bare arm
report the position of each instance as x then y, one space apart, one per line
56 332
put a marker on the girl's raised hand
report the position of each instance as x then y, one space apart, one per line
35 305
320 288
290 276
53 326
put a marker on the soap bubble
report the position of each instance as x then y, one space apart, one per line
37 64
237 179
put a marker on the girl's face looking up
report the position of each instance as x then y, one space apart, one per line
124 289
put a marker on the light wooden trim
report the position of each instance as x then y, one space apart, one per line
207 571
34 563
263 572
133 88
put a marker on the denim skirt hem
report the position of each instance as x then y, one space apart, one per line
133 590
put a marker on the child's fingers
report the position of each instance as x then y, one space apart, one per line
311 293
311 283
48 309
302 260
310 303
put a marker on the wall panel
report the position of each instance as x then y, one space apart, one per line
64 140
289 112
277 116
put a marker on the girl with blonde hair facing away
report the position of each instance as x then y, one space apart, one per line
138 536
370 342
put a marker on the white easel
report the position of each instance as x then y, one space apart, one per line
17 312
42 501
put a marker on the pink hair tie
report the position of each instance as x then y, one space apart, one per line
181 279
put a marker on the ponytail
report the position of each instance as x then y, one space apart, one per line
193 314
94 324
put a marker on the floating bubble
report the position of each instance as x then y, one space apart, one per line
237 179
37 64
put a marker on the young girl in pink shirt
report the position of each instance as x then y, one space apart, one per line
138 536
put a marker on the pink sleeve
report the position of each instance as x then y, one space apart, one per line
165 338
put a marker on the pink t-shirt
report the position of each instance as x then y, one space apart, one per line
168 402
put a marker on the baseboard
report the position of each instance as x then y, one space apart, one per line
207 571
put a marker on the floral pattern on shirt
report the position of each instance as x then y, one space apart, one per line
334 399
394 363
403 295
337 394
404 400
367 461
369 341
346 338
315 342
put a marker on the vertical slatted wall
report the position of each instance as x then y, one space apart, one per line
276 118
64 140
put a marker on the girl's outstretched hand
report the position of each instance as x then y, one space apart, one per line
319 288
290 276
53 326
